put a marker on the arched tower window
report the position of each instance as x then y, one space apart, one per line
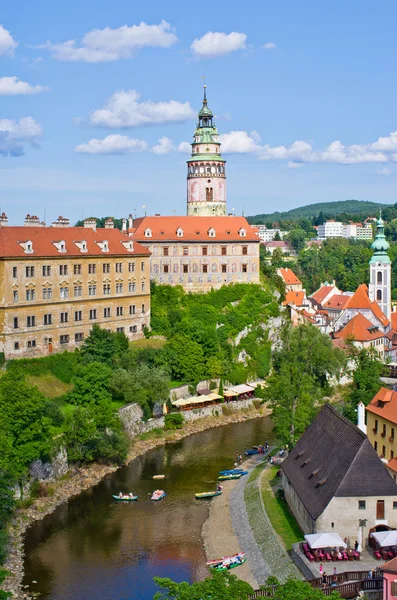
209 194
379 294
379 277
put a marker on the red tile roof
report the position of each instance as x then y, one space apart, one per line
361 329
360 298
194 229
337 302
294 298
289 277
379 314
44 238
394 320
392 464
322 293
277 244
387 410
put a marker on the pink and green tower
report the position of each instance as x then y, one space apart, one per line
206 176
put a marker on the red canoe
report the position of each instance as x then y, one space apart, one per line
217 561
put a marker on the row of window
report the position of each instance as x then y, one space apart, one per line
78 337
78 316
204 250
47 270
208 170
362 505
78 291
383 433
204 268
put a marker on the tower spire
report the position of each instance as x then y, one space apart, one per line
380 270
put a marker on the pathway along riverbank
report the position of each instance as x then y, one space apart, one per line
88 477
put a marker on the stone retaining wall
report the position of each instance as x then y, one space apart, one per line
131 415
296 555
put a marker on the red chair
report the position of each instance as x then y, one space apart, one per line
310 556
356 555
345 556
377 555
340 557
328 557
390 554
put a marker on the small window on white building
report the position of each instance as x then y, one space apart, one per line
148 233
179 232
242 232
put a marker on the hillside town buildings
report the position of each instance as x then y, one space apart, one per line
56 282
268 234
336 229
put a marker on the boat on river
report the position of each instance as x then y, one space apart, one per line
251 452
158 495
231 471
226 566
202 495
218 561
125 498
227 477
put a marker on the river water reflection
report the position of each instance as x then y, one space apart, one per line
93 547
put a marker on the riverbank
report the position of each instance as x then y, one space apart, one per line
91 475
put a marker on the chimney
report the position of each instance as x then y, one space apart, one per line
33 221
109 223
361 417
61 222
90 223
3 220
130 222
124 226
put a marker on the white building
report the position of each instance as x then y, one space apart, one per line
360 231
337 229
268 235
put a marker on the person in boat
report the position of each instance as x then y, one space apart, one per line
131 495
120 494
219 488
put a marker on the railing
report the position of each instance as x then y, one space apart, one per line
348 589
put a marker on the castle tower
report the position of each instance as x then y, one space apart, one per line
206 178
380 270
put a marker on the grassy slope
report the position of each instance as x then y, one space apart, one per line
330 208
281 518
49 385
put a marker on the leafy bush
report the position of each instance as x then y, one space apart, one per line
173 421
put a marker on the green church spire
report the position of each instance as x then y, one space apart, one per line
380 245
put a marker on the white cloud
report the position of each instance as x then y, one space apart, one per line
240 142
294 165
13 86
7 42
215 43
164 146
269 46
14 134
112 144
383 172
387 143
123 109
185 147
108 45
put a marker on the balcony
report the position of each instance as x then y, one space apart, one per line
375 430
383 434
391 439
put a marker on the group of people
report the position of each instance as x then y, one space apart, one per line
324 580
264 448
130 495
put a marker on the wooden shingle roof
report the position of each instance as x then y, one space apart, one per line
333 458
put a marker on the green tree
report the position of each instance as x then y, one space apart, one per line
144 385
221 586
103 346
25 428
297 238
277 260
277 237
91 385
294 589
299 380
185 358
366 382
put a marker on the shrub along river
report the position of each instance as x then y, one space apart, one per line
95 547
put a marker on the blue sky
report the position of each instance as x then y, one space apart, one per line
304 94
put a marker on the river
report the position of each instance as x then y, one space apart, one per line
94 547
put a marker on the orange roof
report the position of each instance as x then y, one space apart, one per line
392 464
44 239
360 298
361 329
379 313
195 229
337 301
289 277
394 320
384 404
322 293
294 298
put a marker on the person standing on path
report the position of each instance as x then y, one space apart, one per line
321 569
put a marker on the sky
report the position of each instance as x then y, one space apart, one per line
98 103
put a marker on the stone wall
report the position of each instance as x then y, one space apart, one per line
131 415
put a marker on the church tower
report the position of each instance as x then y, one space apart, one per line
380 270
206 178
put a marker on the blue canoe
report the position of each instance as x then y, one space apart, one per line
231 471
251 452
126 498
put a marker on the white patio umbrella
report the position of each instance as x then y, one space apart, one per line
324 540
360 540
385 538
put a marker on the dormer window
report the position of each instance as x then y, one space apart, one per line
27 246
60 246
212 232
242 232
179 232
128 245
82 246
103 245
148 233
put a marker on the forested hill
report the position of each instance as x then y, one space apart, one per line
361 208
